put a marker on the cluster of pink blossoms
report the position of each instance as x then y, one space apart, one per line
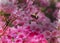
29 21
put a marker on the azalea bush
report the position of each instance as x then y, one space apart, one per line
29 21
